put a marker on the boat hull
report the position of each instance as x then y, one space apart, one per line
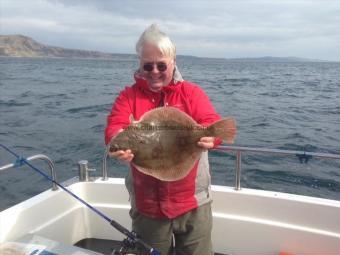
247 221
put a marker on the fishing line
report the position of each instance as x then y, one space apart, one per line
131 236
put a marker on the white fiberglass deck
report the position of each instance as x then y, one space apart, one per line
246 222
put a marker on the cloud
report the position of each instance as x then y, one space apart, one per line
204 28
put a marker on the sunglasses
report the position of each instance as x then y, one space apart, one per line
161 66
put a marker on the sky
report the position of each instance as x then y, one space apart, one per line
212 28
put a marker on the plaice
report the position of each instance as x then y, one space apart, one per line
164 141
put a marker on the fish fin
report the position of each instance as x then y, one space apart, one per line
171 114
172 174
175 173
224 129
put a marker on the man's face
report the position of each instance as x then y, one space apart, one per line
154 62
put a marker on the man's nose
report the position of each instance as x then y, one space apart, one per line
154 68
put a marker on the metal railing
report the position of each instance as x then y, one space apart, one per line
302 155
104 167
40 157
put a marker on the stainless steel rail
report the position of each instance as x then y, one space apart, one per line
40 157
239 150
104 168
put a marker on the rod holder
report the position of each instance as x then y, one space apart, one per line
83 166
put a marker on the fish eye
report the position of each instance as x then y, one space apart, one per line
114 147
137 125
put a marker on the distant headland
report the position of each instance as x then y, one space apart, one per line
23 46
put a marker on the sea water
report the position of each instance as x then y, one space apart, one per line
58 107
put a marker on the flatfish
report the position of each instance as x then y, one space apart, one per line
164 141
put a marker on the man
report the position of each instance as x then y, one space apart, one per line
166 213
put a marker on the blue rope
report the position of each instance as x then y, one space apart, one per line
20 161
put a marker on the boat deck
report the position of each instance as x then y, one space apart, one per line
104 246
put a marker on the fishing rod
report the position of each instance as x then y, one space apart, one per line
132 239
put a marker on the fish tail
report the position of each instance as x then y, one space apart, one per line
224 129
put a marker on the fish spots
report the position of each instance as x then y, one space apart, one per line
182 143
157 151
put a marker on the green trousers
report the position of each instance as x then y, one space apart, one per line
188 234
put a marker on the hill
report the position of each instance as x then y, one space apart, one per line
274 59
23 46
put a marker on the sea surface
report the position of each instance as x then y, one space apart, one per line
58 107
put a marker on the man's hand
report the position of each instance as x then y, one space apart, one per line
206 142
125 156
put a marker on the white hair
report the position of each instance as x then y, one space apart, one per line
156 37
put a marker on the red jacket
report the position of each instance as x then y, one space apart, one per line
150 196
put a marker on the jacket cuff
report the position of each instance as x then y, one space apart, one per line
217 142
